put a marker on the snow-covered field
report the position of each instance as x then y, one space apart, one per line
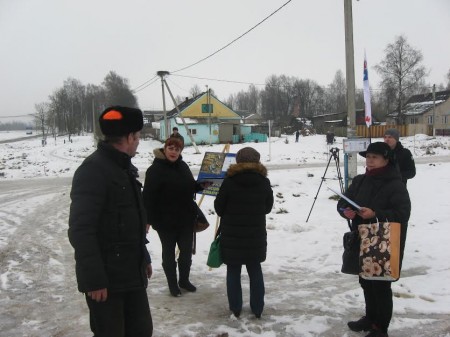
306 295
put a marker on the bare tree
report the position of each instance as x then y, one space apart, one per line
41 119
401 72
448 80
118 91
338 92
230 101
195 90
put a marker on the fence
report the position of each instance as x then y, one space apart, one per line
377 131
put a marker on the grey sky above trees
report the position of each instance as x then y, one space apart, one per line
49 41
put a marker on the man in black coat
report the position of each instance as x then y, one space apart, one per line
402 157
107 229
244 199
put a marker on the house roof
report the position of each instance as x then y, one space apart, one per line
183 105
419 104
188 120
243 113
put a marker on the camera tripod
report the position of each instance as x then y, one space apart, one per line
334 155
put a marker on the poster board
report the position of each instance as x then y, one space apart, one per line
214 168
353 145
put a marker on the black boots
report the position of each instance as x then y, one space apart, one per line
174 290
377 333
171 275
186 285
362 324
184 282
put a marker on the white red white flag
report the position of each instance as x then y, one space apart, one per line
367 106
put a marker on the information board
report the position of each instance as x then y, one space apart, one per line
214 169
352 145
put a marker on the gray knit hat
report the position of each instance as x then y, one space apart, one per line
394 133
247 155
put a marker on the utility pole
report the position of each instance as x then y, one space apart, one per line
434 110
161 74
208 101
350 77
163 82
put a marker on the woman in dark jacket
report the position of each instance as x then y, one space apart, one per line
382 196
244 199
168 198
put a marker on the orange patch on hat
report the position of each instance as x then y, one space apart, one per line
112 115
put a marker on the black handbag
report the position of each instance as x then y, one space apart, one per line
200 222
350 257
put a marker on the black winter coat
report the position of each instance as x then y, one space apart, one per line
168 193
383 193
107 223
404 161
244 199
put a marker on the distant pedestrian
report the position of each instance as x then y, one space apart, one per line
330 137
244 199
402 157
176 134
297 135
107 229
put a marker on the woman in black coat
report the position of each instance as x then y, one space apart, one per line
168 198
244 199
382 196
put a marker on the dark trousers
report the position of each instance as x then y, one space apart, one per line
183 237
379 304
234 288
124 314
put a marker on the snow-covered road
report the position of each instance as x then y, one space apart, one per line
38 295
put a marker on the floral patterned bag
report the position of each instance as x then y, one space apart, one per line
379 255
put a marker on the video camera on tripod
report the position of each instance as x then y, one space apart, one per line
334 154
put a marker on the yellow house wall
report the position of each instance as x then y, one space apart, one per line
219 110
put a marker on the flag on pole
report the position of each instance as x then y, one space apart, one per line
367 106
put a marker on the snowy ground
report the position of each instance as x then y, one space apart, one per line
306 295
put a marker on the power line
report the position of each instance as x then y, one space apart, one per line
228 44
219 80
145 85
258 84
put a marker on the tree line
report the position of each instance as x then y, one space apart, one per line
71 108
402 75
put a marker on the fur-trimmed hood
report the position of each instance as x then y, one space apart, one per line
159 154
245 167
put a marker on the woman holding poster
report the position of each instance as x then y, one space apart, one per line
168 198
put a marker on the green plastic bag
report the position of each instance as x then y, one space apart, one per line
214 256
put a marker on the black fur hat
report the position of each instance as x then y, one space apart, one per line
120 121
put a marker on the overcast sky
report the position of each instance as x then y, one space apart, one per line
44 42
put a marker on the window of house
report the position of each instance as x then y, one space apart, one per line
445 119
430 119
193 131
414 120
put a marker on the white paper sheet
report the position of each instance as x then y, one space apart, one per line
351 202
